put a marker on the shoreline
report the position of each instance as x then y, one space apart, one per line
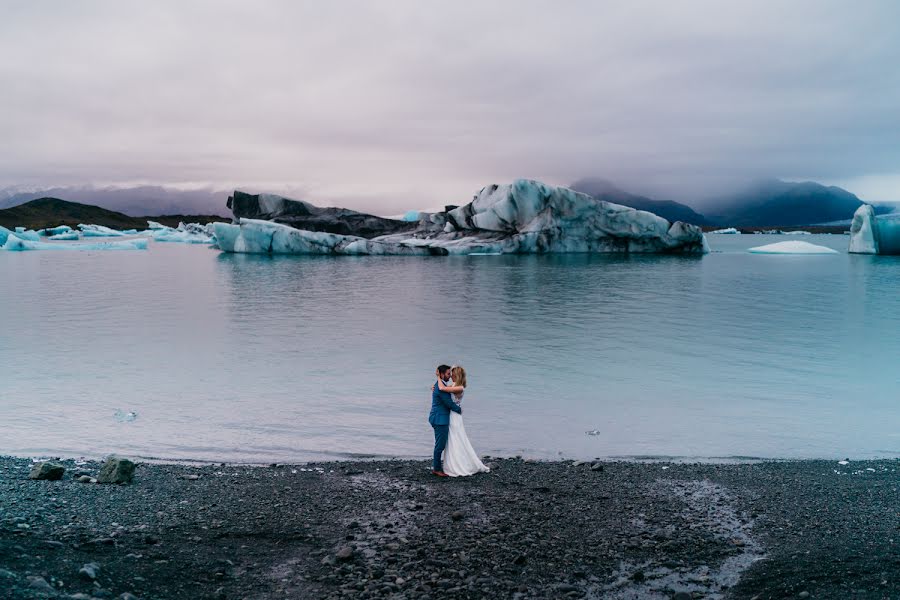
388 529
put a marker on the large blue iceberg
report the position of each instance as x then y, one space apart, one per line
525 217
871 234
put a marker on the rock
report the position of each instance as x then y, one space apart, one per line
40 585
344 554
525 217
520 560
4 574
191 477
456 515
47 470
638 576
128 596
116 470
84 479
89 571
682 596
803 595
597 467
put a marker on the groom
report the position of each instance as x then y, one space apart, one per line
441 405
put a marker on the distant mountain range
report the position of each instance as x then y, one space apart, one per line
601 189
765 203
50 212
145 200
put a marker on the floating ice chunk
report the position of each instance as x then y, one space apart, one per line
410 216
51 231
15 244
98 231
728 231
67 235
844 462
124 417
26 234
792 247
796 233
593 432
191 233
874 235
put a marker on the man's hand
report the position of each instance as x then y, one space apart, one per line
432 388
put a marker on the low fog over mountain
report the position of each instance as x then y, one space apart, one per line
147 200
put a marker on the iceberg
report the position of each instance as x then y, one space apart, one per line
51 231
15 244
729 230
410 216
98 231
792 247
871 234
525 217
190 233
66 235
25 234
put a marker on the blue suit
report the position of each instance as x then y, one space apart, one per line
441 405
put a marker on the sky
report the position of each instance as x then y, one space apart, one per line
385 106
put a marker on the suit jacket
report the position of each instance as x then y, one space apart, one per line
441 405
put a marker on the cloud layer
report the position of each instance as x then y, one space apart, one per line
390 105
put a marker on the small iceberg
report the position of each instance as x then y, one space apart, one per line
796 233
125 417
792 247
411 216
66 235
25 234
190 233
728 231
14 244
98 231
51 231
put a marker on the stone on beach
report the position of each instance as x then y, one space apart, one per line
47 470
116 470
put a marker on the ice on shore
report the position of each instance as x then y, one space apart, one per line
792 247
727 231
98 231
15 244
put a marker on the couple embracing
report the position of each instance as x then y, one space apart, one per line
450 439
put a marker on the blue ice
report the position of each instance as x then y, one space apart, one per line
15 244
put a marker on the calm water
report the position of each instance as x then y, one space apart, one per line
253 358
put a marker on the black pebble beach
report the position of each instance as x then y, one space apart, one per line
389 529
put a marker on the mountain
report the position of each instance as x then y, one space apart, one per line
50 212
602 189
134 201
773 203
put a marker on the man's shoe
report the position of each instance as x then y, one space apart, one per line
439 474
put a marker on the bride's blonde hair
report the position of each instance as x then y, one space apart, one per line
458 374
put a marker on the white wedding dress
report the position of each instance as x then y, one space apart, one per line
460 458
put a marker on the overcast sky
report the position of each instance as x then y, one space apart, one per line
393 105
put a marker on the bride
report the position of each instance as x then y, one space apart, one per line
460 458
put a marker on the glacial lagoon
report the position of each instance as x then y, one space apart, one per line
185 353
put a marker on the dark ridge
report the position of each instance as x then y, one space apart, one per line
51 212
667 209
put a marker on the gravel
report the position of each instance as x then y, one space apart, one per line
389 529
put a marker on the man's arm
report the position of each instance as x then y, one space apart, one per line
449 403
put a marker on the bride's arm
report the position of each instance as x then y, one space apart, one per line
453 389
